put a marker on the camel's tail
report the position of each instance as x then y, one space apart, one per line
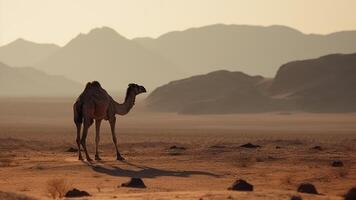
78 112
78 105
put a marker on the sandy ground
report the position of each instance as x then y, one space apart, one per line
35 134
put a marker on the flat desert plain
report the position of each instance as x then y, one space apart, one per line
35 134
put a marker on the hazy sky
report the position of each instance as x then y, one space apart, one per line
57 21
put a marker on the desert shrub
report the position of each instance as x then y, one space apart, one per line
244 160
99 187
342 172
288 180
57 188
24 189
244 163
5 162
14 196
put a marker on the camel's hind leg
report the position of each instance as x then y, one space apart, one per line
79 127
87 123
78 120
97 138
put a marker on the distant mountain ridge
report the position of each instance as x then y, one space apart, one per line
251 49
106 56
25 53
27 81
325 84
110 58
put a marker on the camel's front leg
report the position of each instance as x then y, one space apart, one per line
112 126
97 138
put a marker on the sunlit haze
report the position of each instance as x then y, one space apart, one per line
59 21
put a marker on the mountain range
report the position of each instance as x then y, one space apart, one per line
105 55
254 50
325 84
110 58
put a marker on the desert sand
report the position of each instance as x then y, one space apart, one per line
35 134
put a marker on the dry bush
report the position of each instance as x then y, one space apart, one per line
24 189
5 162
99 187
342 172
57 188
244 160
288 180
14 196
97 176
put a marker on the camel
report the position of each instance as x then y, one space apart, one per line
96 104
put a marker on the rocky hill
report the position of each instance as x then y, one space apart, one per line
325 84
216 92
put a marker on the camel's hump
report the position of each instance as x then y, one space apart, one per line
94 90
93 84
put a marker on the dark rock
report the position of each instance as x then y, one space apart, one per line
177 147
337 163
249 145
296 198
317 148
307 188
217 147
135 183
241 185
176 150
278 147
175 153
72 149
76 193
351 194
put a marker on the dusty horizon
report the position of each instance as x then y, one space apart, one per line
126 17
168 32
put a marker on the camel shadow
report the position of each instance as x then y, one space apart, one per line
143 171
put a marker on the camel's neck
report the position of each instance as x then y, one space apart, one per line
124 108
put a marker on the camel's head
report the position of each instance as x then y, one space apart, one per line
137 89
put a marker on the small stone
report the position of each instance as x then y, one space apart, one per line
249 145
296 198
337 163
241 185
177 147
319 148
135 183
76 193
72 149
307 188
217 147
